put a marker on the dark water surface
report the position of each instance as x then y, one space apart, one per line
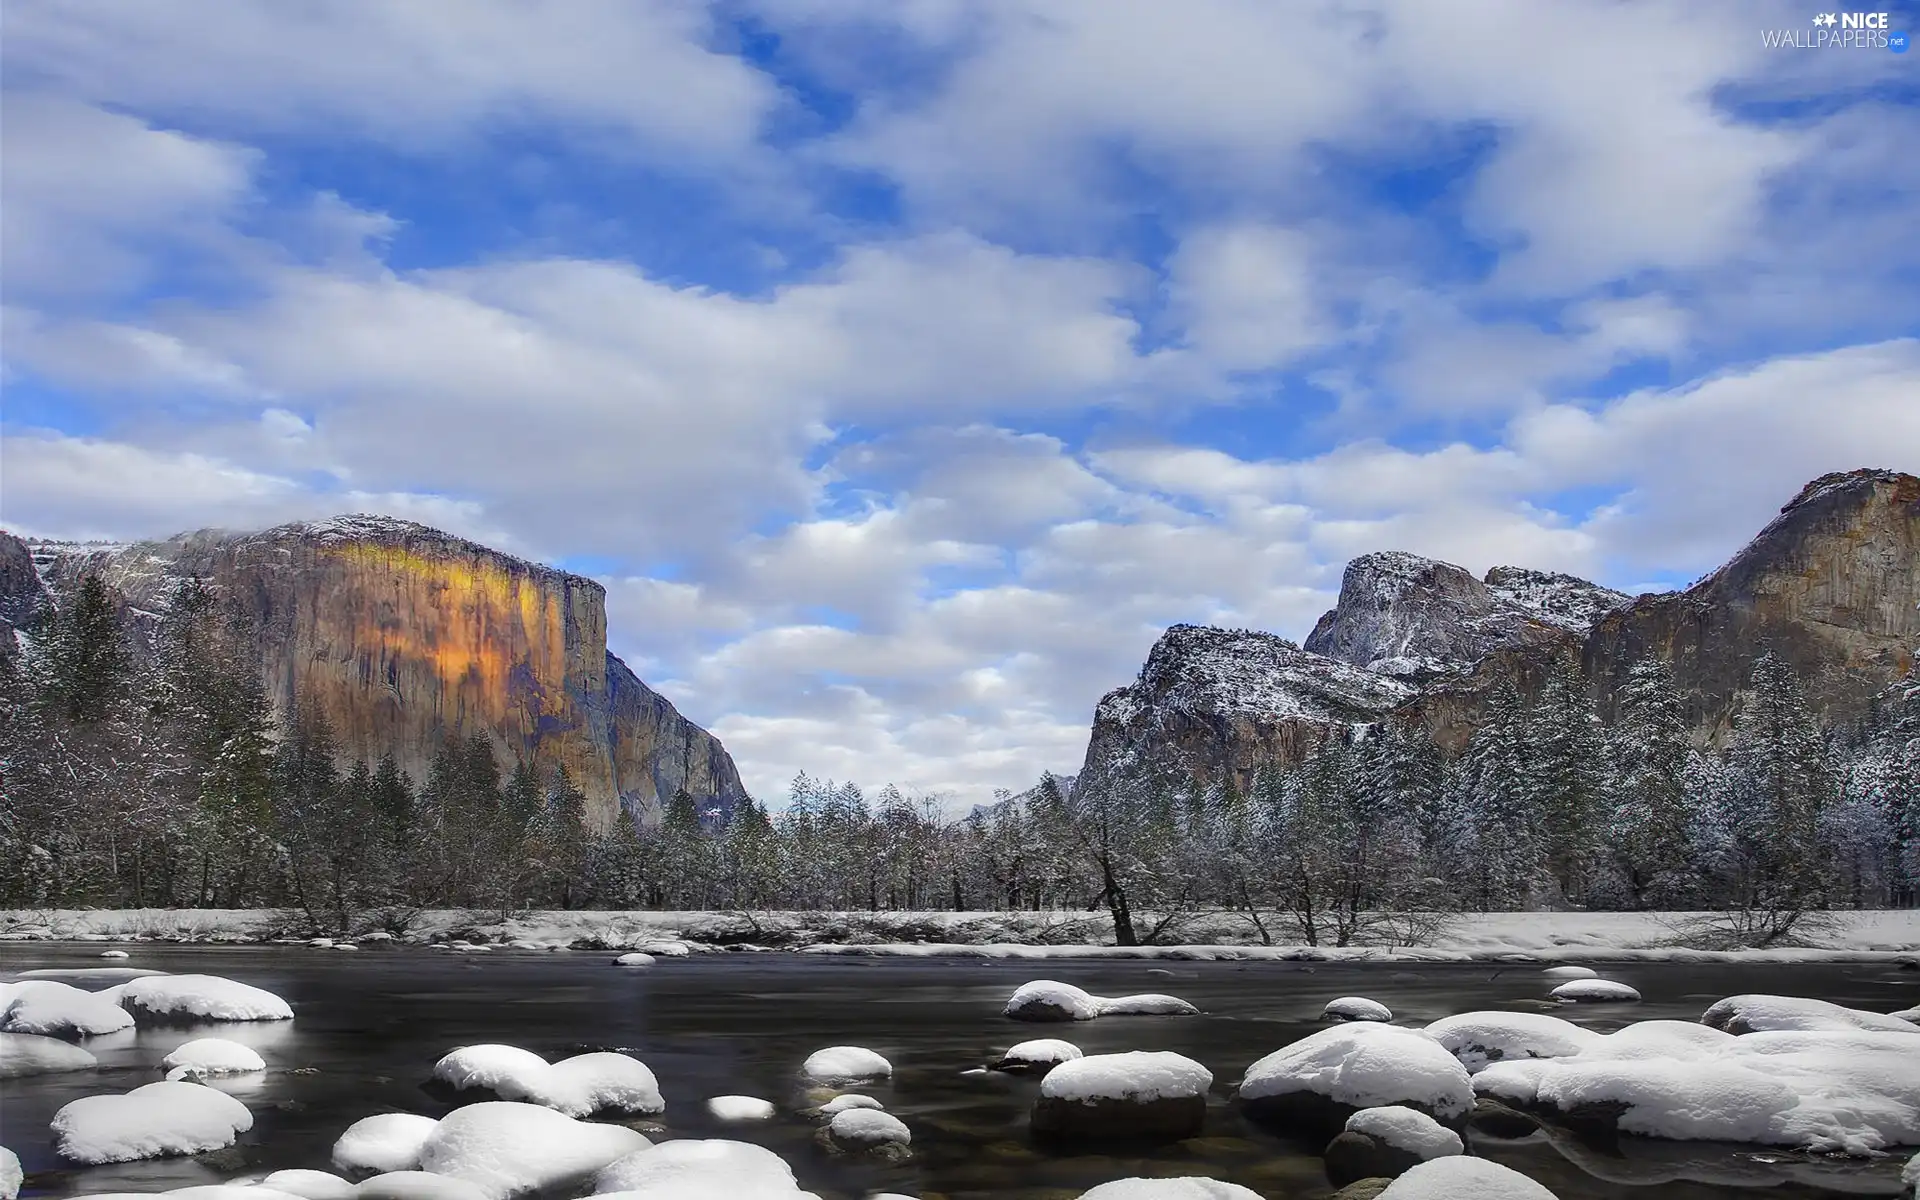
370 1025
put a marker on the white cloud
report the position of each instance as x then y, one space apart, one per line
1246 295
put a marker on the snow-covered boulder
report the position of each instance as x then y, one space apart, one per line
1595 991
158 999
417 1185
739 1108
851 1100
1319 1081
1146 1004
1853 1092
1140 1094
1036 1057
845 1064
1385 1142
1571 972
1758 1013
668 948
53 1009
1479 1038
309 1185
113 954
154 1121
862 1130
579 1086
1049 1000
212 1056
1355 1008
11 1176
1187 1187
636 959
701 1169
1459 1177
508 1149
383 1143
24 1054
1908 1014
1910 1175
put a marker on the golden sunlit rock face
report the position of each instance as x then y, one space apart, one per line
404 636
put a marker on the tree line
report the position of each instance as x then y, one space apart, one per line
158 774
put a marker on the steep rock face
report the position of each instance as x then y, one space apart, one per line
1213 702
1832 585
404 635
1423 620
21 595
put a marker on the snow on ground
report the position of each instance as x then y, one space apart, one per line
1407 1129
212 1056
1048 1000
1755 1013
740 1108
309 1185
579 1086
1596 991
382 1143
24 1054
54 1009
200 997
1852 1091
1355 1008
1365 1064
864 1127
1458 1177
508 1149
845 1064
701 1169
1479 1038
1138 1075
154 1121
1187 1187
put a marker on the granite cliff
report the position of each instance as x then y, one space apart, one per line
1832 585
404 635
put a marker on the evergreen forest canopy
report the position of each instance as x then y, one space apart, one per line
163 778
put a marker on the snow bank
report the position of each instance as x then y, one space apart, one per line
1595 991
200 997
579 1086
1187 1187
865 1127
1365 1064
1049 1000
845 1064
1755 1013
154 1121
701 1169
1854 1092
23 1054
417 1185
1037 1053
1355 1008
213 1056
740 1108
1460 1178
509 1149
309 1185
54 1009
1479 1038
1138 1075
851 1100
383 1143
1407 1129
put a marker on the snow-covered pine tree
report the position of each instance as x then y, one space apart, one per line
1563 779
1653 811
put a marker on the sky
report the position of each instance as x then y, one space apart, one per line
905 368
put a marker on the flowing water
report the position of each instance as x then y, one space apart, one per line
371 1024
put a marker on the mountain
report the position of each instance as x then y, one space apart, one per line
1832 585
403 635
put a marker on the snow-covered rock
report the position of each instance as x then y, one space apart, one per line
1406 1129
1595 991
739 1108
383 1143
865 1128
1318 1081
1048 1000
845 1064
1910 1174
53 1009
213 1056
579 1086
1355 1008
309 1185
154 1121
1459 1177
162 998
636 959
1147 1004
851 1100
508 1149
1187 1187
1757 1013
1852 1091
24 1054
417 1185
1143 1093
1038 1055
667 949
1571 972
113 954
1479 1038
700 1169
11 1176
1908 1014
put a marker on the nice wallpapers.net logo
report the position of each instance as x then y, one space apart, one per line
1839 31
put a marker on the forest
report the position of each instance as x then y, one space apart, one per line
159 774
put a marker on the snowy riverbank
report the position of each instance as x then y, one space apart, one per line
1542 937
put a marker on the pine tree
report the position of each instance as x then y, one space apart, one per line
87 661
1654 814
1783 781
1562 783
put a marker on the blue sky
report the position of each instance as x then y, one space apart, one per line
905 368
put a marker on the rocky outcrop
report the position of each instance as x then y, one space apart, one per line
1831 585
22 598
404 635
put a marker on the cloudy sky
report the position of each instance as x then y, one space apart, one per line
904 367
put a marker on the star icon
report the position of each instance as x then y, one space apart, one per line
1825 19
